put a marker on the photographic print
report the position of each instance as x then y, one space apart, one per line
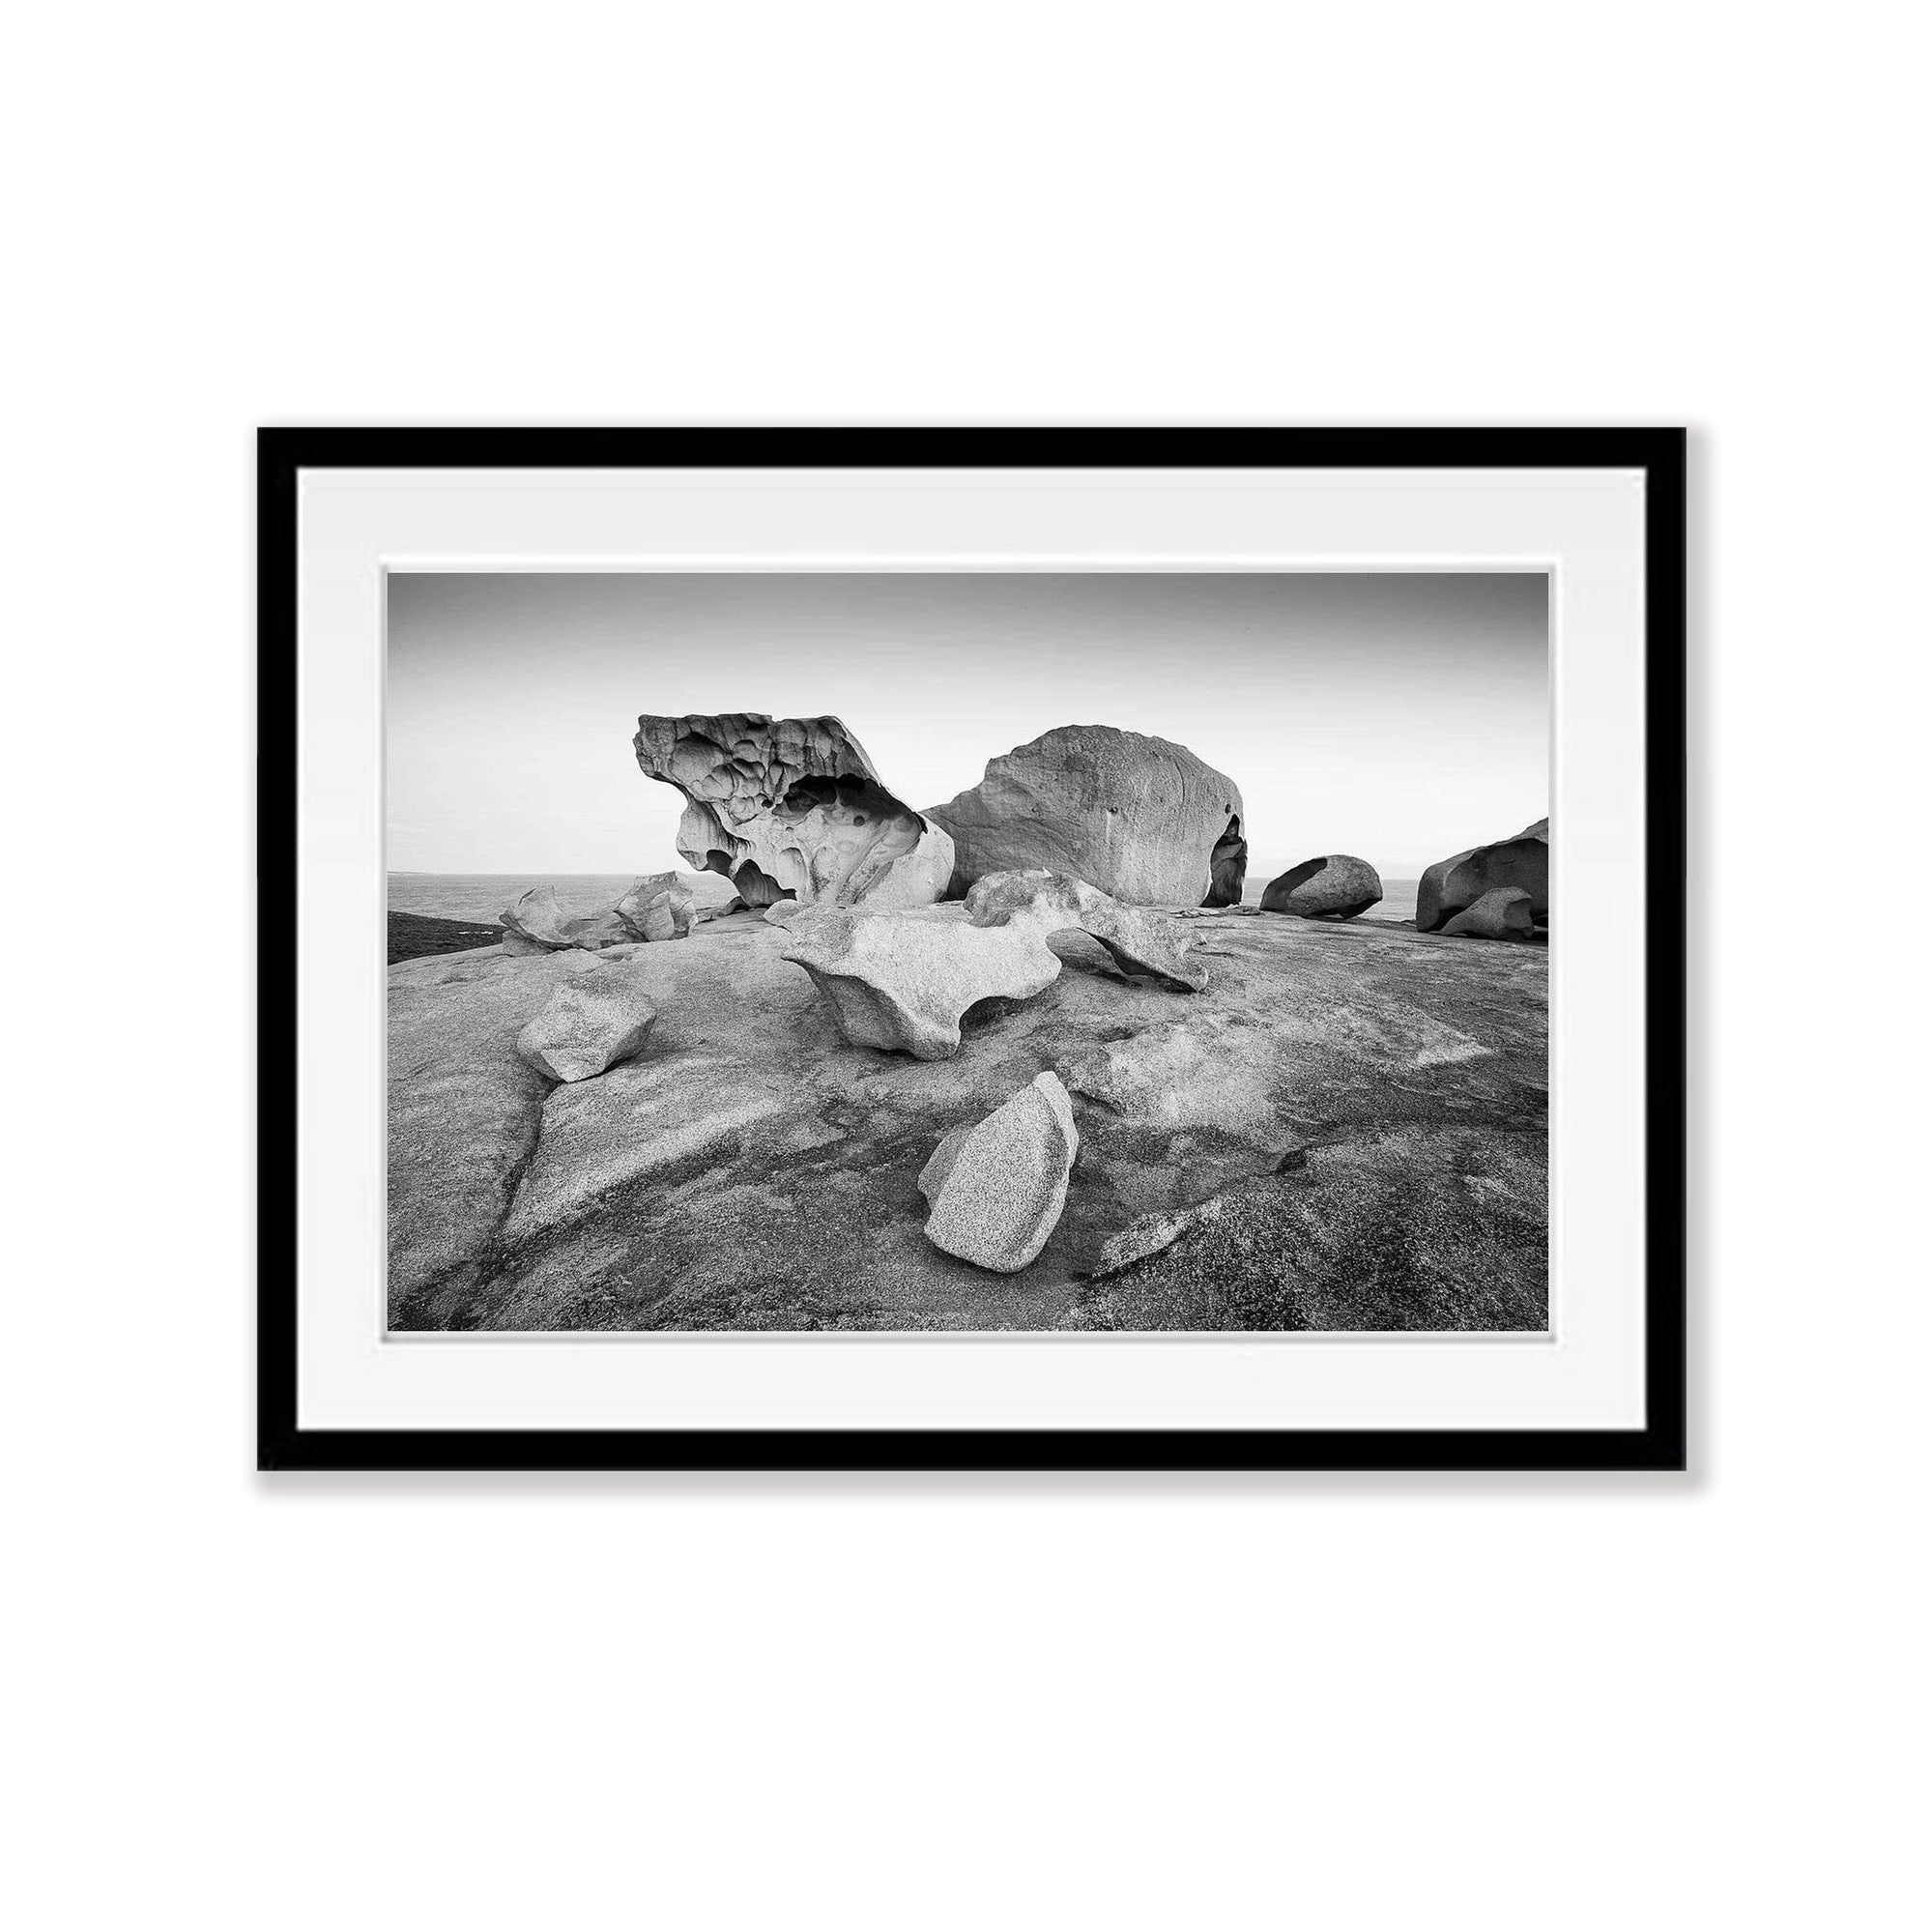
1097 952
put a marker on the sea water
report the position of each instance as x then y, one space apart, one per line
479 896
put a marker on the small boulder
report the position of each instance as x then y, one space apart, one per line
1502 914
1338 886
996 1189
1459 882
591 1023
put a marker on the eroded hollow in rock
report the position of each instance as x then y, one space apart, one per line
791 808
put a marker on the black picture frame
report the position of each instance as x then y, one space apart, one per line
1660 1444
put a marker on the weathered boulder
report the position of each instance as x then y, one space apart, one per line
792 805
901 981
904 980
1228 870
536 923
1502 914
667 905
1144 820
1453 883
1338 886
536 919
1139 940
591 1023
998 1188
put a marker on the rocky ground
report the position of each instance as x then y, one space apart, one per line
1345 1128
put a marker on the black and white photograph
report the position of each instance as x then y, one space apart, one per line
1095 952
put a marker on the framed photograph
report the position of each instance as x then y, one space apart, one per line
972 949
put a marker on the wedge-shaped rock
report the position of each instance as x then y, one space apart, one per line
792 805
1502 914
1453 883
1139 940
591 1023
1143 819
1335 886
996 1189
901 981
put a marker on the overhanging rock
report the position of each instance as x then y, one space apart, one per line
792 808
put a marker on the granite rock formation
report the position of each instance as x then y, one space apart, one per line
1228 870
1452 883
792 807
1144 820
536 923
1346 1090
1337 886
998 1187
591 1023
1139 940
666 905
902 981
1501 913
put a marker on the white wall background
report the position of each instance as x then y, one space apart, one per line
1493 1704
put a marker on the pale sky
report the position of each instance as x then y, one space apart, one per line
1399 717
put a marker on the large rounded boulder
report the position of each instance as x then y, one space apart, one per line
1144 820
1337 886
1454 884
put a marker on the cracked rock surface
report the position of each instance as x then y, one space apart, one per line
1366 1104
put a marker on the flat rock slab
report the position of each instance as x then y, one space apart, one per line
755 1169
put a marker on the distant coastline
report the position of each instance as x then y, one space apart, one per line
481 895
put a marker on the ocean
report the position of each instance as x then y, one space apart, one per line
481 895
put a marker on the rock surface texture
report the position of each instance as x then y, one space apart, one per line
904 981
1367 1105
591 1023
1144 820
1338 886
791 806
1452 883
1501 913
996 1188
